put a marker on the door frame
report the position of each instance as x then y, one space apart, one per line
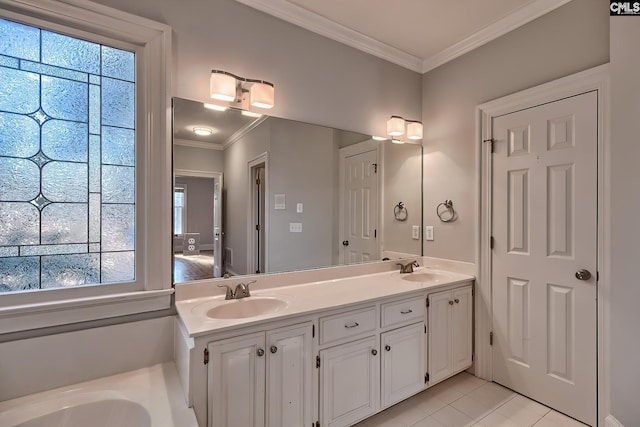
594 79
251 246
343 153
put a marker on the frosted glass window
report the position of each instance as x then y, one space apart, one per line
67 161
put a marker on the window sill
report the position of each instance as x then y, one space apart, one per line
33 316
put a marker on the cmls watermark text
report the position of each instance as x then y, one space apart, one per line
618 8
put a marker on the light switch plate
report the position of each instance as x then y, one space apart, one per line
295 227
415 232
428 232
299 208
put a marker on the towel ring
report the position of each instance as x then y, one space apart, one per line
448 204
400 212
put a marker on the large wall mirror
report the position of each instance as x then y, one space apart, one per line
259 194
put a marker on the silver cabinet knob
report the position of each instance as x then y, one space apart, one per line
274 349
374 352
457 301
450 302
583 274
387 347
260 352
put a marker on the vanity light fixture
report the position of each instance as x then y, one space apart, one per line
241 92
378 138
248 113
398 126
397 141
202 131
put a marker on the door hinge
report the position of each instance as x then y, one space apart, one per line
425 329
313 331
318 361
426 377
492 242
491 338
492 142
473 356
257 227
427 302
375 168
206 356
597 276
257 181
375 233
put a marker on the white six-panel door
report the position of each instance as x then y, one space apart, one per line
544 229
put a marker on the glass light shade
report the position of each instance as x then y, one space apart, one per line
215 107
222 87
202 131
397 141
262 95
414 130
395 126
250 113
378 138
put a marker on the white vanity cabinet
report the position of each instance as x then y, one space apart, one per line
241 369
450 332
403 363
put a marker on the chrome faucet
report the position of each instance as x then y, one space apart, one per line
408 268
241 291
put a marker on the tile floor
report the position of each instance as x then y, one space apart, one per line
465 400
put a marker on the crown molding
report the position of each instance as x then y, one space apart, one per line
198 144
318 24
491 32
240 133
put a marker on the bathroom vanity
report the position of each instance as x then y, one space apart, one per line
327 353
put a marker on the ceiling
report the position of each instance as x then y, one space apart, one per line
417 34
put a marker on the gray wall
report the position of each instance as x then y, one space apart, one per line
572 38
197 159
317 80
199 207
625 205
402 164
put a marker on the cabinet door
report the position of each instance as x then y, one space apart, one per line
349 382
439 322
236 382
461 324
289 376
403 360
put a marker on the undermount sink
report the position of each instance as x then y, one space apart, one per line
424 277
246 307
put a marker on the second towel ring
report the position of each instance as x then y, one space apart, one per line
400 212
448 204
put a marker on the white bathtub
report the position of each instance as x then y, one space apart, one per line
149 397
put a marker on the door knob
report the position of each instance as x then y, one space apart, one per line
583 274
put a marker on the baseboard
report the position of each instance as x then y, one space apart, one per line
611 421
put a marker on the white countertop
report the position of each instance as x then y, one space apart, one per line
312 297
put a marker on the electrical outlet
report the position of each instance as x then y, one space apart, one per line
299 208
295 227
428 232
415 232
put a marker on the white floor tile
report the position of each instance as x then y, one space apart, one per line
451 417
523 411
494 419
408 412
492 395
430 403
472 408
428 422
556 419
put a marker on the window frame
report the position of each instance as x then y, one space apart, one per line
152 287
183 208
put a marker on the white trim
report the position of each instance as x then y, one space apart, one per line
611 421
153 47
198 144
325 27
343 153
491 32
593 79
244 130
251 249
196 173
318 24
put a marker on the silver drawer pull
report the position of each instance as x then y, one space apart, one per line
406 311
352 325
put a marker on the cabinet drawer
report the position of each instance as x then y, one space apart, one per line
349 324
397 312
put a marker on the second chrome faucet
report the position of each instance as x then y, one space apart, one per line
241 291
408 268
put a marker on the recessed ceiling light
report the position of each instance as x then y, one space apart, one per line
215 107
202 131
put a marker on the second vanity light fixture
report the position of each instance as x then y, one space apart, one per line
239 91
397 127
